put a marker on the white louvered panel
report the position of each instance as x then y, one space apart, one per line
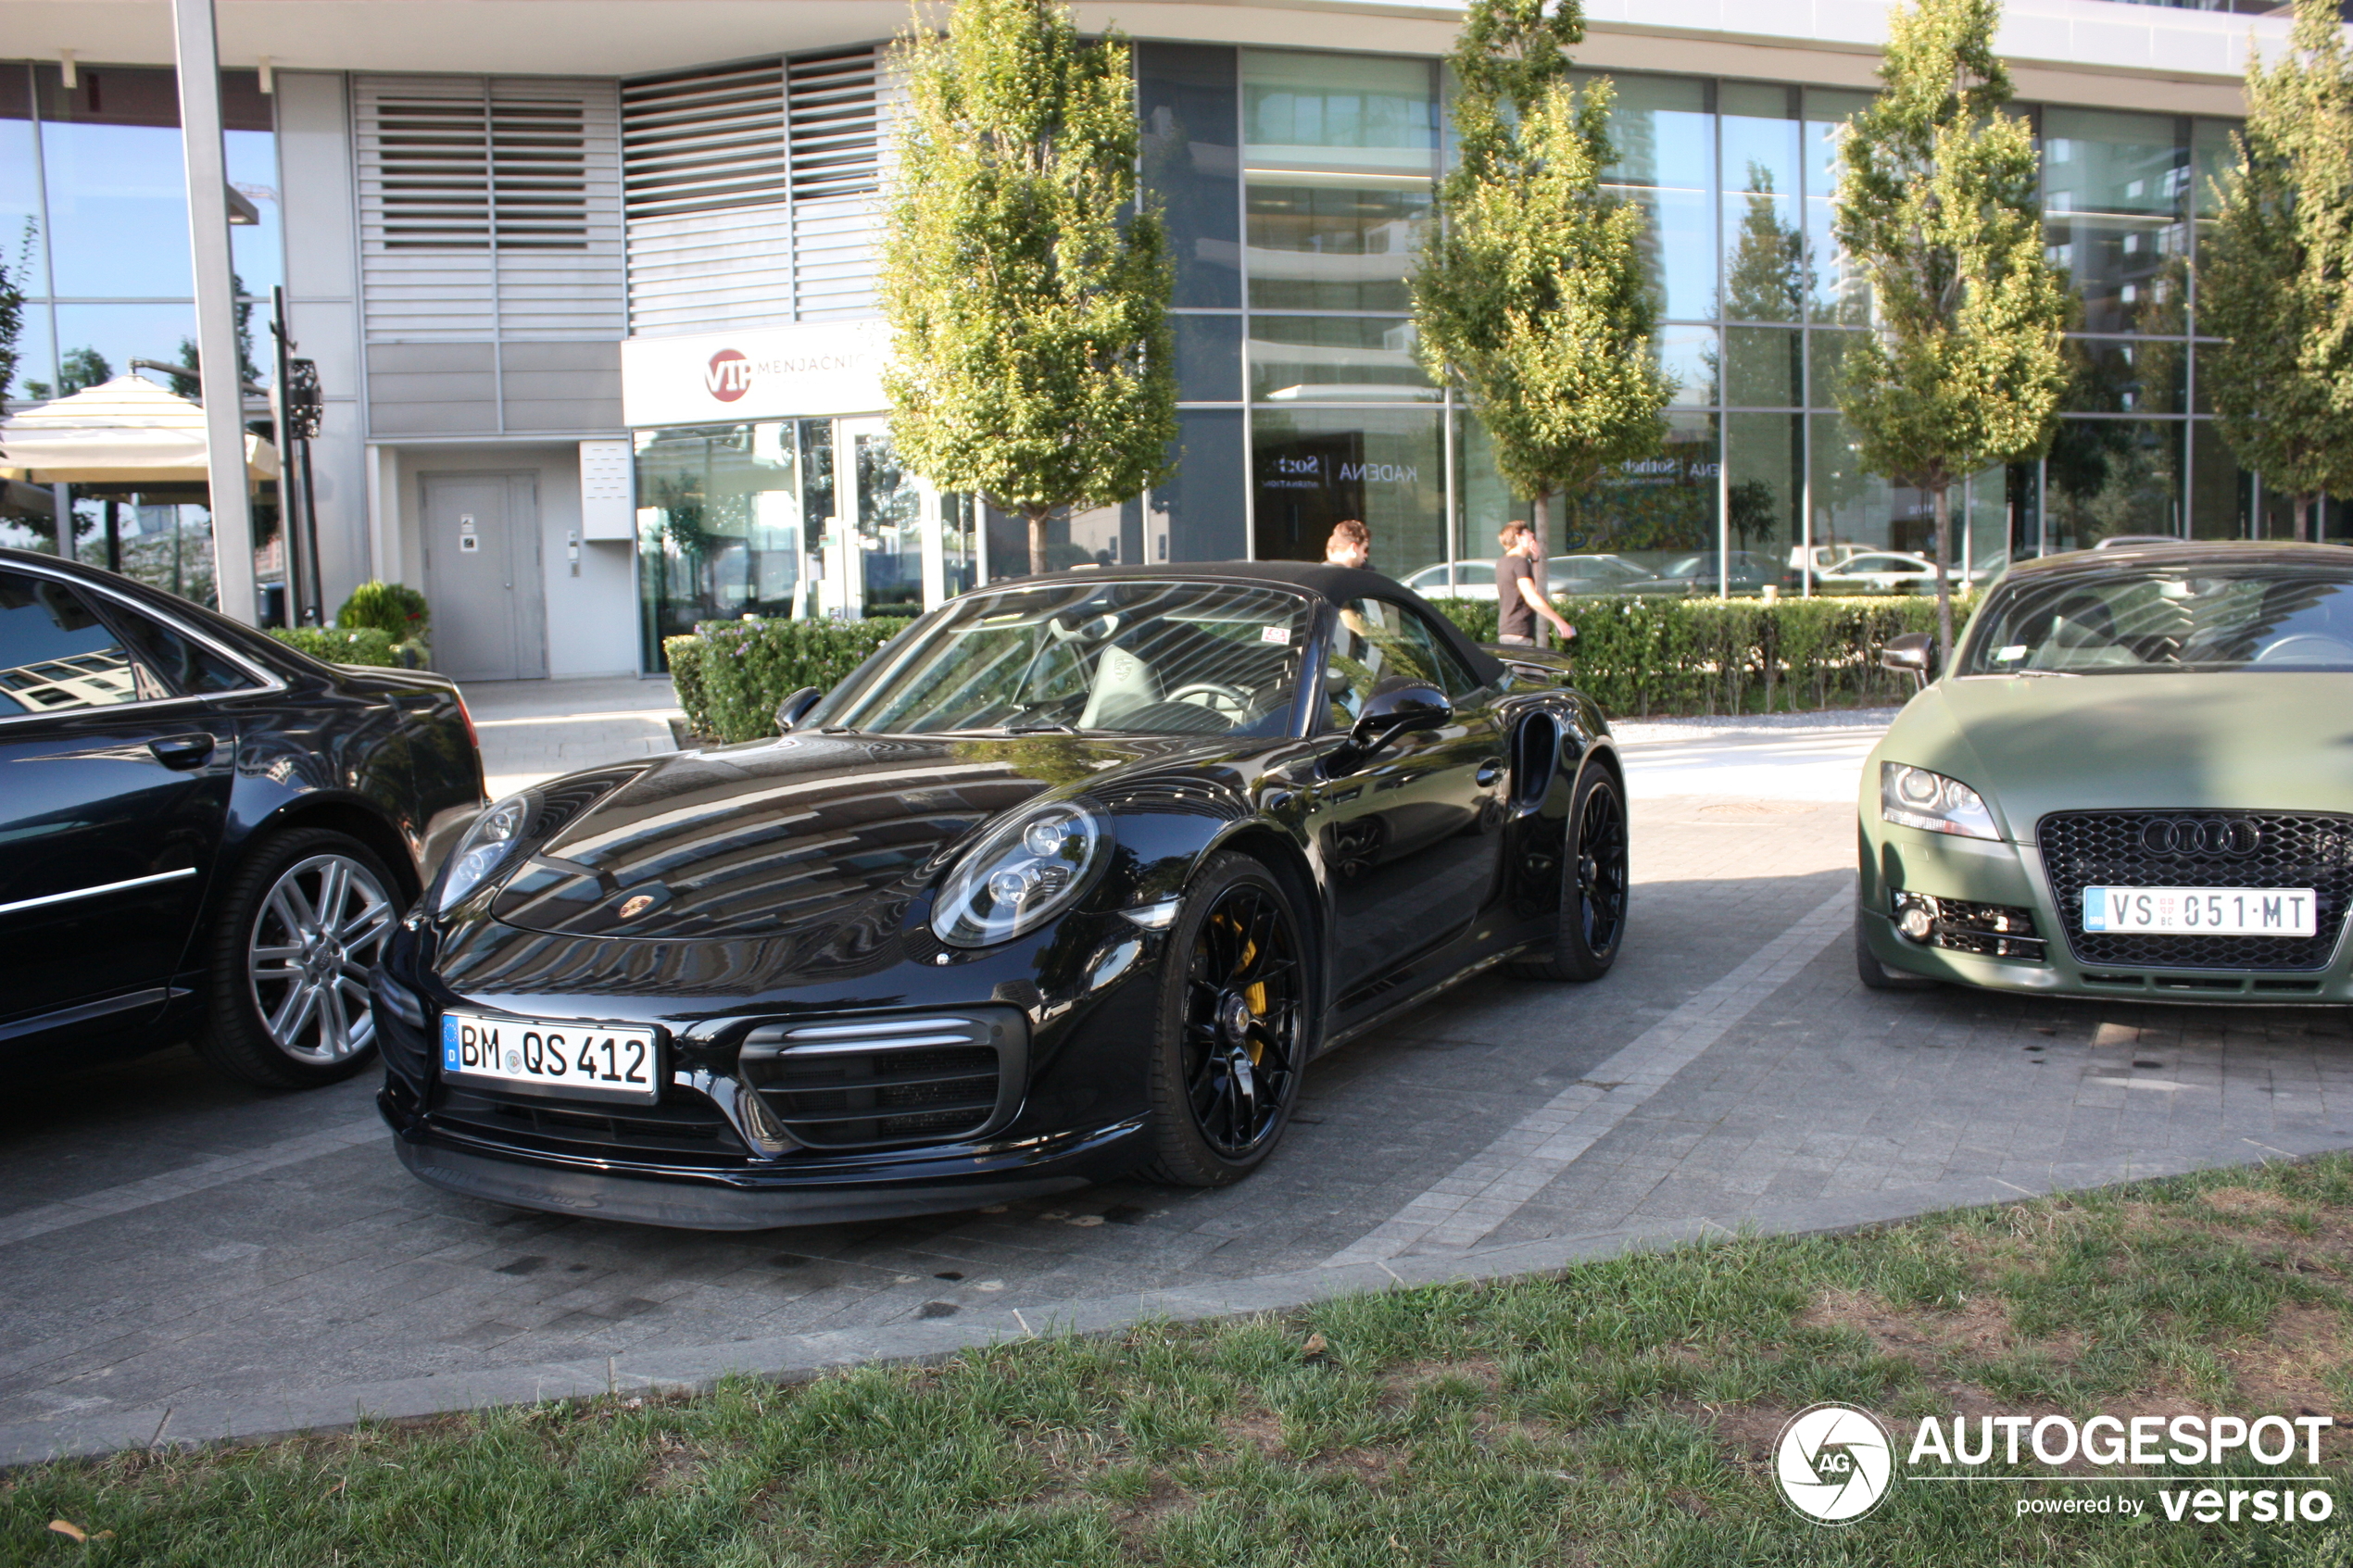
701 271
490 209
832 136
706 140
834 257
424 163
750 192
556 157
424 208
704 177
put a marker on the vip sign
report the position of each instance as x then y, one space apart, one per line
812 371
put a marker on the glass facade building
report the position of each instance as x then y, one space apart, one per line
94 232
546 281
1298 184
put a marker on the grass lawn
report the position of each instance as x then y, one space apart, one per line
1619 1414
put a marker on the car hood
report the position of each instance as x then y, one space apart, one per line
789 836
2035 744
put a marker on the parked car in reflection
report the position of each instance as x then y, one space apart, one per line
206 831
1463 580
1886 571
1593 576
1567 576
1738 571
1076 875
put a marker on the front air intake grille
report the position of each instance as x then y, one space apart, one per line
1990 931
682 1130
853 1082
2136 850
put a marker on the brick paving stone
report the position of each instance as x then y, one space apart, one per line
340 1269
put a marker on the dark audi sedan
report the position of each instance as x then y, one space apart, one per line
1074 876
207 834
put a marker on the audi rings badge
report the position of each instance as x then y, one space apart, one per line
2223 838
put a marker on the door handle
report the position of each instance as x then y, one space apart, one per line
182 752
1489 771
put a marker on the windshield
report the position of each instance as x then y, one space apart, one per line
1120 658
2176 617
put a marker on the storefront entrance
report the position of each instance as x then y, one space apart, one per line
791 519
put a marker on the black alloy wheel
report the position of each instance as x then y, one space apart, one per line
1594 884
1234 1024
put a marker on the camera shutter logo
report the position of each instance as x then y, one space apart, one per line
728 376
1833 1462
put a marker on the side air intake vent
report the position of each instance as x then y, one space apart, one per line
858 1083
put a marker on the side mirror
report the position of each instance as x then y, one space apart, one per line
1911 652
1391 713
793 708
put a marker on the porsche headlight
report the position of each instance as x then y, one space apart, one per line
1914 797
1025 871
486 847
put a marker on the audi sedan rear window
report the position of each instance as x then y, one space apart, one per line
2170 618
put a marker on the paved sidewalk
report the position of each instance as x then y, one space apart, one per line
533 730
187 1258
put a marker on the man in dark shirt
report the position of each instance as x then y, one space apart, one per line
1519 600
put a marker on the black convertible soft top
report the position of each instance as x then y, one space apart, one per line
1337 584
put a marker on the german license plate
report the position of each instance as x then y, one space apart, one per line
593 1060
2203 912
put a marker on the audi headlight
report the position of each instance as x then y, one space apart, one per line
1914 797
486 847
1025 871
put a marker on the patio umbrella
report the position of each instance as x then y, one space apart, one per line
128 433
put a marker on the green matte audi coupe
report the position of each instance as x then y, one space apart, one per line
2135 781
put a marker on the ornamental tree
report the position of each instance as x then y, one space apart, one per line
1026 288
1531 297
1938 210
2275 272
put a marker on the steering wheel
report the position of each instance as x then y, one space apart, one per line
2307 648
1230 702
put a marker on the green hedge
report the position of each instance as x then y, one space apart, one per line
1687 656
731 674
1634 656
338 647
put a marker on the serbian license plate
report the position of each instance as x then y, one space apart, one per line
596 1060
2204 911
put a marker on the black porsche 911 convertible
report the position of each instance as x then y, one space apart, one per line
1074 877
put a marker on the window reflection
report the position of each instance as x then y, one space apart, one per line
93 216
1340 156
96 342
57 655
1663 505
1384 466
1765 490
1694 358
2112 476
721 519
1840 293
2116 215
1334 359
1767 273
20 251
1664 140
